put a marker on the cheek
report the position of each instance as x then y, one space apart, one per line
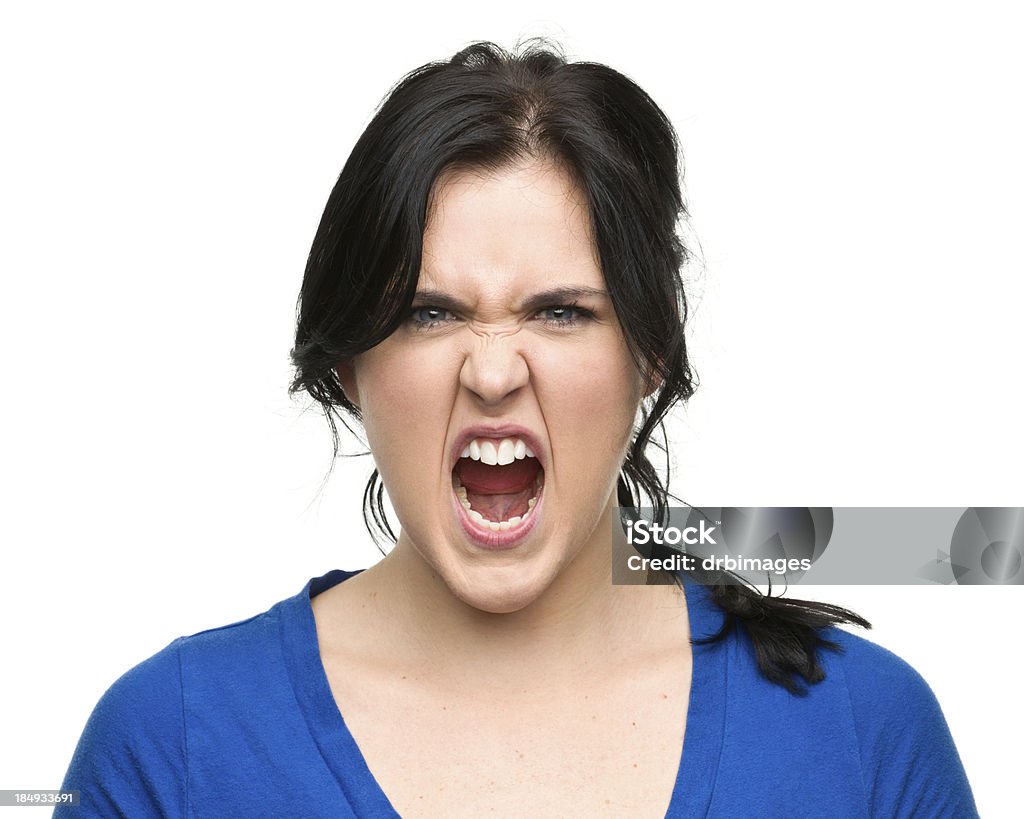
405 400
590 396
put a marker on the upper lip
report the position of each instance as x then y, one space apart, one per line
497 431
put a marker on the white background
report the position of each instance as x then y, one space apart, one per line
855 176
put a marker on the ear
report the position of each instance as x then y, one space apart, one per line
347 376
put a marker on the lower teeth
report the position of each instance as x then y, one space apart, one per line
496 526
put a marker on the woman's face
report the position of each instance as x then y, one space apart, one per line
499 413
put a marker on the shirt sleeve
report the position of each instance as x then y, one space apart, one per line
131 757
910 764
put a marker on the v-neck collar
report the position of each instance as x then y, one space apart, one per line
702 742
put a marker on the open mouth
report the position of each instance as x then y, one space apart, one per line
498 482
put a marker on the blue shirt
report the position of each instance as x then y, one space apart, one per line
240 721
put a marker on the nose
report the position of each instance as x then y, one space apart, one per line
494 368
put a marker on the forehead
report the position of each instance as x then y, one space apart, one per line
517 227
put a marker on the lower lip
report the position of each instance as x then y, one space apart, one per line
487 538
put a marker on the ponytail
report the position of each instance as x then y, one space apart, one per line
785 633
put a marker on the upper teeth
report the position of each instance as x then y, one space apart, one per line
497 452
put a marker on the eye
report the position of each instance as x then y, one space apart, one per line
426 317
563 314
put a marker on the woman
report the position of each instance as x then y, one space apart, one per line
494 295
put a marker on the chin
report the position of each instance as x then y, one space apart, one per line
500 590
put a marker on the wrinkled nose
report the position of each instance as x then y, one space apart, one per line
494 368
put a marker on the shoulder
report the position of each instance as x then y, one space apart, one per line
160 685
249 645
130 758
888 698
133 755
871 732
872 675
885 693
870 684
908 757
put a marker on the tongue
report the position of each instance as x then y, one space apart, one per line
499 492
481 479
501 507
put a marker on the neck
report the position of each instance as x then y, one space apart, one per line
581 611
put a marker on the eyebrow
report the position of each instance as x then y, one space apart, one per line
547 298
